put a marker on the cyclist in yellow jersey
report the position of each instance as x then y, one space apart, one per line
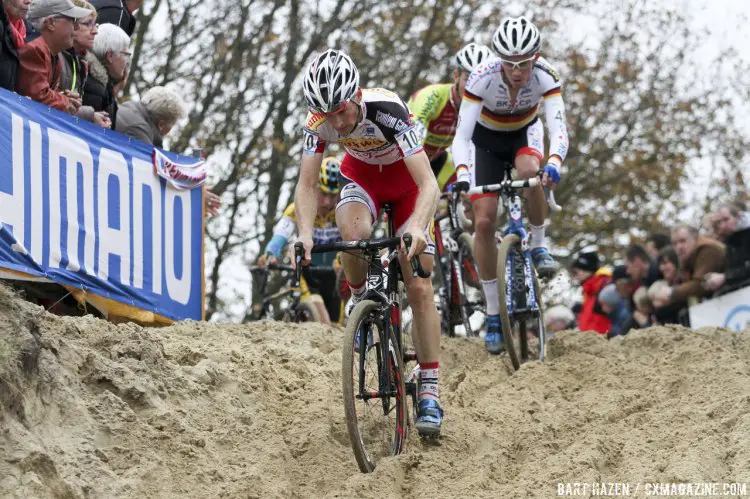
435 109
324 231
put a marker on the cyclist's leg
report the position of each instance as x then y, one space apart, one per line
330 293
491 150
311 293
528 155
426 326
487 171
355 214
529 152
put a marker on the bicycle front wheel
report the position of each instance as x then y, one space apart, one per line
514 309
372 371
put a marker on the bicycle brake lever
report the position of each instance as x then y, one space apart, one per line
299 254
416 266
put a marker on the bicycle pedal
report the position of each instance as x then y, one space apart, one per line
410 356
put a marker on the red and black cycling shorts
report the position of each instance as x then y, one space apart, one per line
376 185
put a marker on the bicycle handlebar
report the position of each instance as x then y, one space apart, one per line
362 244
271 266
518 184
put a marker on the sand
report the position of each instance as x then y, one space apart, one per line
91 409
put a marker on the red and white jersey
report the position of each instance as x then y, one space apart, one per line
385 135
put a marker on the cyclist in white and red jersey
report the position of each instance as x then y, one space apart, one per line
384 163
498 122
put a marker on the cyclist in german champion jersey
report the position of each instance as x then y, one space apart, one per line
499 122
435 110
324 231
384 163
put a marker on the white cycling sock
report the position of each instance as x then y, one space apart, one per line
537 236
428 381
491 297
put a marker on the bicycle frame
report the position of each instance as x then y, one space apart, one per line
512 202
382 278
447 250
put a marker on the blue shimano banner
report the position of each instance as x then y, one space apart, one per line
81 205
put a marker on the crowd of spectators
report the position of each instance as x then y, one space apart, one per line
74 56
660 279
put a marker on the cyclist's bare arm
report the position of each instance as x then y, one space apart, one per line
305 198
427 199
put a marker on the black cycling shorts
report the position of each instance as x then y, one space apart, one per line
494 150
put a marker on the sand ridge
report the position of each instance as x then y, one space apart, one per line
204 410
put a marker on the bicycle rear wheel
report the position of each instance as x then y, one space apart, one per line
514 309
375 414
472 298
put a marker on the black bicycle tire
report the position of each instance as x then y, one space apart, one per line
466 241
364 461
508 242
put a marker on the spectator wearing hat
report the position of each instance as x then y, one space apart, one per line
107 61
592 277
698 257
39 62
12 35
616 307
118 12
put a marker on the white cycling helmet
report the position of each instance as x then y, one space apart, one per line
470 57
331 79
516 36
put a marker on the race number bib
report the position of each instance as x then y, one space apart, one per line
311 143
409 141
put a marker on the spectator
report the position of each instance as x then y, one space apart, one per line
558 318
616 308
623 282
698 256
118 12
153 117
655 242
592 278
729 219
75 70
644 309
12 15
707 226
39 62
107 63
669 265
642 269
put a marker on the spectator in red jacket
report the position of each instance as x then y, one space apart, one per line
39 63
592 278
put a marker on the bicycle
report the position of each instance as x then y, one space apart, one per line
455 258
517 282
373 360
293 297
